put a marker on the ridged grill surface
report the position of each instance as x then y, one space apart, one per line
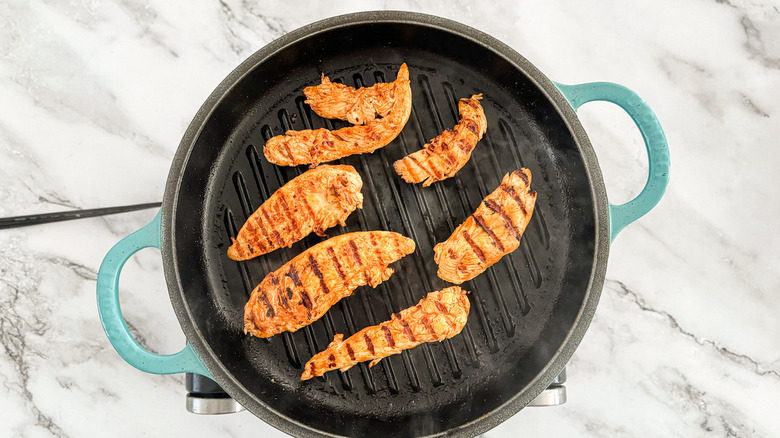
522 307
420 222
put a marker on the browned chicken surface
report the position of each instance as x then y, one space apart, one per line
493 231
303 289
446 154
332 100
438 316
314 146
313 201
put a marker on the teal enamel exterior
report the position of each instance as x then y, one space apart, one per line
114 323
655 142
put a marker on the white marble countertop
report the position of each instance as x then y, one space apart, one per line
94 99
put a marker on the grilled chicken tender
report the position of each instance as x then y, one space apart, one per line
303 289
313 201
446 154
438 316
314 146
332 100
493 231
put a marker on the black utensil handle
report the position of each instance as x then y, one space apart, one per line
45 218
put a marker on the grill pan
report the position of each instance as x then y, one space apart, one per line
529 311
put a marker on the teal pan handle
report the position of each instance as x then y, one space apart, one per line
655 142
111 315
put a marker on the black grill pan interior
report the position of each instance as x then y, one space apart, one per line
522 308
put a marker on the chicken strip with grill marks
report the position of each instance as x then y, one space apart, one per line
438 316
493 231
446 154
303 289
314 146
313 201
332 100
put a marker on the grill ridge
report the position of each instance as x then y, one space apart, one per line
469 343
254 163
346 307
492 341
230 225
522 300
537 220
392 181
414 378
430 361
290 347
426 214
330 328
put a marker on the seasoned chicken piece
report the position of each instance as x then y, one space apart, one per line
438 316
332 100
493 231
303 289
313 201
314 146
444 156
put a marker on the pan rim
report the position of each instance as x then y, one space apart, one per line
551 92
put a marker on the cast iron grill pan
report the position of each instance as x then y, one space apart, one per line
522 308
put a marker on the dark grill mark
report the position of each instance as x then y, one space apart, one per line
252 236
427 325
283 300
409 170
369 344
316 269
302 196
426 171
250 225
314 150
489 203
332 360
431 170
293 274
289 152
275 234
512 193
305 300
481 222
451 323
289 293
336 263
471 126
262 233
269 313
449 159
377 249
287 212
274 279
278 238
480 255
350 352
407 329
355 254
452 254
388 336
521 175
440 306
313 368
